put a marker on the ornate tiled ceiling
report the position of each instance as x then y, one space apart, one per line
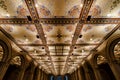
13 8
57 34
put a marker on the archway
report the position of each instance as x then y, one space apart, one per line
51 77
90 71
104 68
59 78
14 68
65 77
113 55
1 53
82 73
29 71
117 52
5 51
5 56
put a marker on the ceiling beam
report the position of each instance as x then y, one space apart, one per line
35 17
60 21
59 61
83 16
60 55
81 44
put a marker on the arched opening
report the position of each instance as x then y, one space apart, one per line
5 55
52 78
114 50
1 53
5 51
59 78
30 68
90 71
35 73
104 68
82 73
13 69
117 52
66 77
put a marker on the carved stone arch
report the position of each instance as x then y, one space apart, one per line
7 50
110 47
94 58
24 61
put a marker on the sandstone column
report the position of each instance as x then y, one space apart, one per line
3 68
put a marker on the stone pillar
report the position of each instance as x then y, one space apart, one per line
70 77
97 72
40 75
43 76
76 74
3 68
73 77
115 69
86 72
31 72
79 75
21 74
47 77
95 67
37 74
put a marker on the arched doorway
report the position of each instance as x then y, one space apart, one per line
1 53
90 71
104 68
117 52
5 56
65 77
59 78
82 73
51 77
13 69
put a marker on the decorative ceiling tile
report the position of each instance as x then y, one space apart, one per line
23 33
94 33
99 9
74 12
17 9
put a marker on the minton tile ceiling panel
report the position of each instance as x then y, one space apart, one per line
58 8
59 34
94 33
13 9
23 34
105 8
